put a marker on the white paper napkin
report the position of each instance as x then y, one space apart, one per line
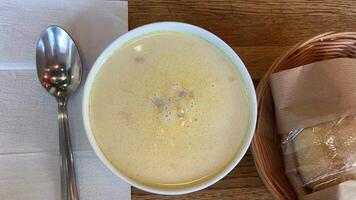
29 160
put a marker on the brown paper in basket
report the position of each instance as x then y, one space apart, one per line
342 191
314 93
310 95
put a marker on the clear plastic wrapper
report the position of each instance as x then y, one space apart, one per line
324 154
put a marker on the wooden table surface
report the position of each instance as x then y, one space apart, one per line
259 31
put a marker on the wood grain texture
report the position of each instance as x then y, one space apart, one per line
259 31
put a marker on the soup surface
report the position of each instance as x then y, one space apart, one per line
169 109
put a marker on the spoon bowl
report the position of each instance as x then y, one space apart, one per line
59 67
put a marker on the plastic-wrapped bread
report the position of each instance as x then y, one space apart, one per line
326 153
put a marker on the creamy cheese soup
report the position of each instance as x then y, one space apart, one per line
169 109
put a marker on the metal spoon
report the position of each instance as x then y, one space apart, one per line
59 70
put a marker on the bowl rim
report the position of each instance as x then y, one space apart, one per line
180 27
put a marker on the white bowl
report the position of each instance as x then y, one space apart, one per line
171 26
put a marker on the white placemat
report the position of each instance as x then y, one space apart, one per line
29 160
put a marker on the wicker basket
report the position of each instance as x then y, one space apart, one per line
266 143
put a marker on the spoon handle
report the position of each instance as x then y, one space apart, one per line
68 184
